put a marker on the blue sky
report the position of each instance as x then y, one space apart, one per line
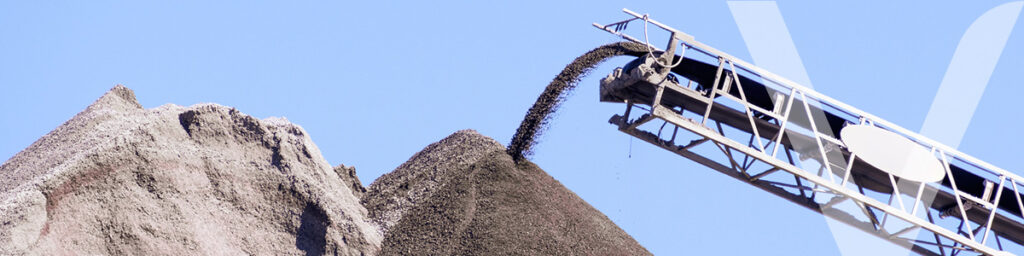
375 81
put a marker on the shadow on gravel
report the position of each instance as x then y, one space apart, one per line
311 237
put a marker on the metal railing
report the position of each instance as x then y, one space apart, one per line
961 238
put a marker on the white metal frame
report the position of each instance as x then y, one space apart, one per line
962 238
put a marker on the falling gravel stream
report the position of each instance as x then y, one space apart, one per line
539 116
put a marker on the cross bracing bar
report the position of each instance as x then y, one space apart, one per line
770 113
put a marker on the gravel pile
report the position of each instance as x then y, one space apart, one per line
466 195
207 179
199 180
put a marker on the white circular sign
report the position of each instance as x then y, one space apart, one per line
892 153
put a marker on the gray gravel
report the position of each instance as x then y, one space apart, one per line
205 179
464 195
119 179
394 193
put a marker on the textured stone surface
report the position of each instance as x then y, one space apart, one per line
348 175
205 179
465 195
394 193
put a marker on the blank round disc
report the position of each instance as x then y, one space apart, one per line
892 153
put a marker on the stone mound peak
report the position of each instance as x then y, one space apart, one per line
394 193
466 195
206 179
118 97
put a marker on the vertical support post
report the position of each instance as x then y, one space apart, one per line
657 97
849 169
817 138
670 51
785 120
1017 195
995 208
746 105
714 92
625 116
956 195
896 192
920 190
917 200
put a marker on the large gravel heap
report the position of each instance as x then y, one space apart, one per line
466 195
206 179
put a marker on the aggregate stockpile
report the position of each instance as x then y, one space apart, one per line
118 179
465 195
207 179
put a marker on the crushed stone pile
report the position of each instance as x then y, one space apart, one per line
200 180
466 195
206 179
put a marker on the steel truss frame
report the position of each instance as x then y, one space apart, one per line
802 186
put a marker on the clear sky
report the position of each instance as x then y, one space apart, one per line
375 81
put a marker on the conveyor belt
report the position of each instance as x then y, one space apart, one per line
866 175
760 104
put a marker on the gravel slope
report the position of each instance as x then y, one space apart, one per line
466 195
206 179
